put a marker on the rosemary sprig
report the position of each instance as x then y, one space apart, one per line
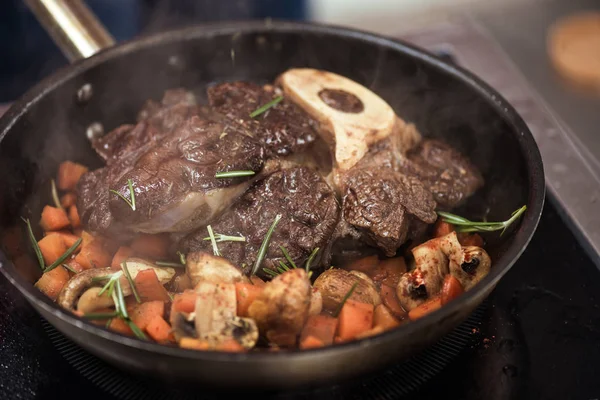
226 238
130 280
55 195
182 258
264 108
121 299
287 256
135 329
131 201
62 258
112 278
345 299
68 268
262 251
213 241
464 225
310 259
168 264
34 244
233 174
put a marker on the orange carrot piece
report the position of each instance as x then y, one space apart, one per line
365 264
425 308
93 255
470 239
231 346
193 344
311 342
74 265
354 319
68 238
383 317
451 289
388 271
142 314
52 246
183 302
67 200
149 287
158 329
390 299
74 217
376 330
154 246
321 327
54 219
52 282
118 325
257 281
69 174
442 228
246 293
122 254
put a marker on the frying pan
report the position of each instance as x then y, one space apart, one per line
104 88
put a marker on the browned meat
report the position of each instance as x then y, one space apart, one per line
309 215
446 173
174 179
283 129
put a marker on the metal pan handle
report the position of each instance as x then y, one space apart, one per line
72 26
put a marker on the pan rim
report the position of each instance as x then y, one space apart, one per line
523 235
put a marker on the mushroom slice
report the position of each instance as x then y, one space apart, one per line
316 302
475 266
334 284
281 309
184 325
135 265
433 260
351 116
205 267
73 289
91 300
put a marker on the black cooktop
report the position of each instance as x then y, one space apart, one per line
539 338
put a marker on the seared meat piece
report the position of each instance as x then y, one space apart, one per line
283 129
444 171
281 309
309 215
174 180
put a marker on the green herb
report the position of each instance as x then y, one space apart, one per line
345 299
262 251
233 174
112 278
135 329
34 244
264 108
130 280
121 299
107 325
101 315
287 256
55 195
65 266
226 238
283 267
213 241
131 201
182 258
62 258
168 264
464 225
310 259
270 272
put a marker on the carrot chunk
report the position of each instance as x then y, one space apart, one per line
69 174
311 342
154 246
193 344
68 238
52 246
425 308
384 318
93 255
390 299
67 200
246 293
355 318
470 239
365 264
451 289
74 265
158 329
74 217
54 219
142 314
183 302
149 287
122 254
118 325
52 282
442 228
388 271
321 327
231 346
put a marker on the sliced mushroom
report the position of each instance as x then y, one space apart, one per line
135 265
91 300
475 266
184 325
433 260
334 284
281 309
316 302
206 267
351 116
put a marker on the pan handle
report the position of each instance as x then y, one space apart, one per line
72 26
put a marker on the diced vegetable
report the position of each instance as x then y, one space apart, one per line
69 174
442 228
118 325
54 219
87 238
246 293
193 344
93 255
425 308
158 329
321 327
390 299
74 217
67 200
376 330
122 254
354 319
155 247
149 287
52 247
74 265
365 264
68 238
257 281
231 346
142 314
389 271
451 289
311 342
183 302
52 282
470 239
383 317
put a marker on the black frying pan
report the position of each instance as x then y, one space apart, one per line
48 125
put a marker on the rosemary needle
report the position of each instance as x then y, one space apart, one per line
262 251
464 225
213 241
34 244
130 202
66 254
233 174
130 280
264 108
55 195
311 258
345 299
287 256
